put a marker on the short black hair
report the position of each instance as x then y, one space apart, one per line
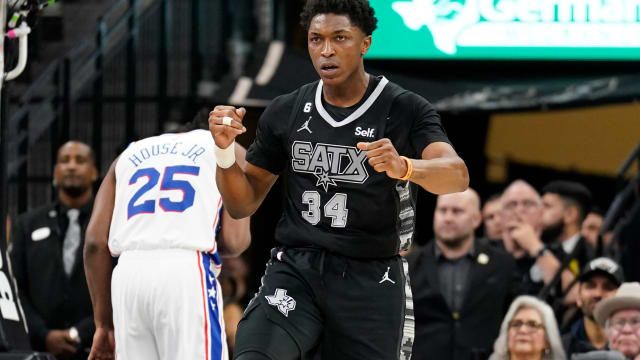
573 193
493 197
360 13
596 210
92 155
199 121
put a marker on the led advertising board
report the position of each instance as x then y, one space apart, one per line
507 29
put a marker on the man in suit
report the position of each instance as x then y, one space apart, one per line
46 256
461 285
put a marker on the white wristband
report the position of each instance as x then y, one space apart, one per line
226 157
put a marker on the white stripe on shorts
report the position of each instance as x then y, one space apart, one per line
409 326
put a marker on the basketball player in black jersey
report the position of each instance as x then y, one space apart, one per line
355 147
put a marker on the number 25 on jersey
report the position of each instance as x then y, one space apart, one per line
168 183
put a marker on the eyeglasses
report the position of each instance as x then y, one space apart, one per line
529 326
620 323
526 204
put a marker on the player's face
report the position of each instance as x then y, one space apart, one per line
74 170
455 218
336 47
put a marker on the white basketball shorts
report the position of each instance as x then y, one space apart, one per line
167 305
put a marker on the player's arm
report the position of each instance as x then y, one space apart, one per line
234 236
98 265
242 190
440 170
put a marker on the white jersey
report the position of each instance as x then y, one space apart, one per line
166 195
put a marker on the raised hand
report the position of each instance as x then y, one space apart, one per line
225 123
524 236
383 156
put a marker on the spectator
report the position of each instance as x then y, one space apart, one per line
233 281
46 256
529 331
620 316
598 281
460 284
566 204
492 219
522 219
590 228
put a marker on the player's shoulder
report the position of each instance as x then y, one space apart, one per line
407 101
283 105
287 101
406 97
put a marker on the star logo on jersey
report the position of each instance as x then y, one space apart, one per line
324 180
282 301
329 163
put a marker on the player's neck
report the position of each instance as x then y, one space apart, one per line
349 92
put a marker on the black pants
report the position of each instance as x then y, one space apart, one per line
341 307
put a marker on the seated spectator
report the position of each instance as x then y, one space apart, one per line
599 355
492 219
566 204
461 285
529 331
522 228
591 225
598 281
620 316
233 280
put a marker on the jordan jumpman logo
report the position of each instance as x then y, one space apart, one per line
385 277
305 126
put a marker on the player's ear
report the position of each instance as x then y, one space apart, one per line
366 44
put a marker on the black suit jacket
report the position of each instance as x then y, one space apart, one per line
51 300
469 334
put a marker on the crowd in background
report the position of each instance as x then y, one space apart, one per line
543 282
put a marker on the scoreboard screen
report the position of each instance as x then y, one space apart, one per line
595 30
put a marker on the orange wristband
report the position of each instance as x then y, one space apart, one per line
409 168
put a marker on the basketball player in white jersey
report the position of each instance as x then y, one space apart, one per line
159 211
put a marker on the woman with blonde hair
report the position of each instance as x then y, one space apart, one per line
529 331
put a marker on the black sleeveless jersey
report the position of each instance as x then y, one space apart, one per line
334 198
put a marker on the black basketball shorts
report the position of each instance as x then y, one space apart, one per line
332 306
